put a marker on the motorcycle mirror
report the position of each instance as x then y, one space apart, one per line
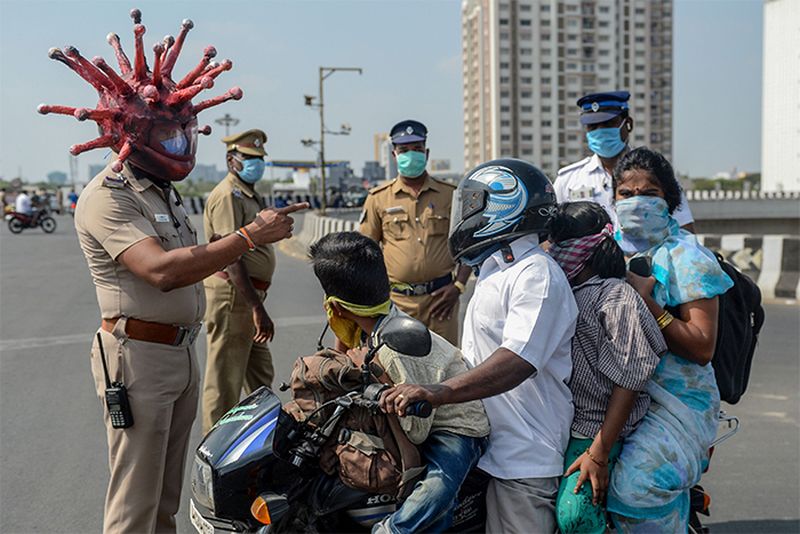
404 335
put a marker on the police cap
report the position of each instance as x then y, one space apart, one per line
408 131
250 142
600 107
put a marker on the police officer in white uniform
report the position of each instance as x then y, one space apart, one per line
608 128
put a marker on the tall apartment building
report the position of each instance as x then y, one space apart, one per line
526 63
780 118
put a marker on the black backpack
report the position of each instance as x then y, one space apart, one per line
740 320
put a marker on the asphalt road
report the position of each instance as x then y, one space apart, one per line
53 469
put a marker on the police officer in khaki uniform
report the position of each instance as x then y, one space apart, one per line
410 217
143 256
238 325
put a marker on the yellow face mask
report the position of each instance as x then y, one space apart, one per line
348 330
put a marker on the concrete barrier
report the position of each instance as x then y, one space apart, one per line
772 261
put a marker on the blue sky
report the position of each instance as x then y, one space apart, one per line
411 55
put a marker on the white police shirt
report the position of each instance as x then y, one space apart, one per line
588 180
526 307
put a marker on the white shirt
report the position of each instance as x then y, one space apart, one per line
22 204
526 307
588 180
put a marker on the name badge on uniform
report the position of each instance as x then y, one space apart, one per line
162 217
582 193
394 209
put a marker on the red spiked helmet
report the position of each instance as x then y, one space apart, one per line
144 115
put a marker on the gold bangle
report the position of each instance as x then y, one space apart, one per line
460 286
595 460
661 317
666 322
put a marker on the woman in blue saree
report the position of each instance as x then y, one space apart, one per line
666 455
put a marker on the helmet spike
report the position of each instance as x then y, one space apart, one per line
87 71
158 51
175 50
100 142
219 69
190 78
121 87
124 152
234 93
139 61
95 114
122 59
205 130
183 95
44 109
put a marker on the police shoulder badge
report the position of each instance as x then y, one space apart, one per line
114 182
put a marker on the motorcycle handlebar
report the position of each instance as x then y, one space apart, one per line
421 409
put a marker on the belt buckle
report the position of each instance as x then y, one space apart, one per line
186 335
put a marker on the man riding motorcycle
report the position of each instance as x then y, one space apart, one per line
453 438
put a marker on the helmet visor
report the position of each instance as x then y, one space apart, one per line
466 202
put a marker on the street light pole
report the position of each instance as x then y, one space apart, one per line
227 121
324 72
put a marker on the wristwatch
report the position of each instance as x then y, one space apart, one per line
460 286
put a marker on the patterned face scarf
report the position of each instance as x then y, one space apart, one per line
572 254
644 222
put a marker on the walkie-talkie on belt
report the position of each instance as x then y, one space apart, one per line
116 396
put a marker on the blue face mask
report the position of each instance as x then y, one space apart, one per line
412 163
606 142
176 145
252 170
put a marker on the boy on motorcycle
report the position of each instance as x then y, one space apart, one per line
351 270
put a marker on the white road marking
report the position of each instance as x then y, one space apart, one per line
770 396
86 337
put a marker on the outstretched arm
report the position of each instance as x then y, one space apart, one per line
501 372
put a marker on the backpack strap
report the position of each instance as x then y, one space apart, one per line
410 459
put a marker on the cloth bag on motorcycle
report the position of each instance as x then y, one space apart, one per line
369 452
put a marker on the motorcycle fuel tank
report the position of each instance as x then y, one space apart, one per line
236 458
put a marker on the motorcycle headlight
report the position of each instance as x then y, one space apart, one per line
203 483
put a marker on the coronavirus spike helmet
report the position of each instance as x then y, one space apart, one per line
496 203
143 115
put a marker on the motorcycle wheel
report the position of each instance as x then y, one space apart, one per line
15 225
48 224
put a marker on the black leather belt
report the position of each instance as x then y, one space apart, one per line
424 288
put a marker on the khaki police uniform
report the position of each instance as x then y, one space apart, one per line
114 212
235 361
413 231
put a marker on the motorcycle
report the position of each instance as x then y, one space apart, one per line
17 222
256 471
